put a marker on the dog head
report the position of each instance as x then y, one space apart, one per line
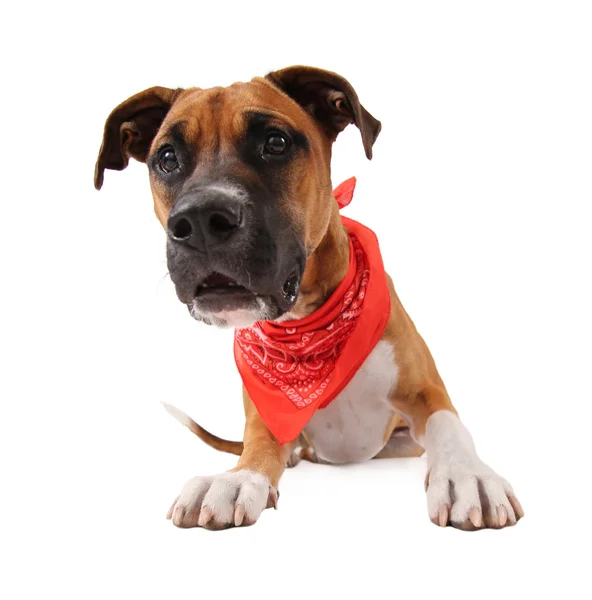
240 178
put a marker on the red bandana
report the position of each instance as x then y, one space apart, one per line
293 368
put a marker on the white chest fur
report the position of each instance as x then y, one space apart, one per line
352 427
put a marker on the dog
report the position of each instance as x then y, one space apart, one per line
241 182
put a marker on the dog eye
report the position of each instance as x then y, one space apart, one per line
276 143
167 160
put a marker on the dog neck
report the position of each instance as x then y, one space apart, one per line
325 269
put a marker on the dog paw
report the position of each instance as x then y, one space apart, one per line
470 497
227 500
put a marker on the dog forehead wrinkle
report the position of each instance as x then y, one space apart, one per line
215 97
261 115
205 113
175 131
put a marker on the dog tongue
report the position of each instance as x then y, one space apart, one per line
218 280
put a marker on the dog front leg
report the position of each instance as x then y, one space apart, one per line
462 490
238 496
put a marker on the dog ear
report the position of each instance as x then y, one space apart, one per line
330 99
130 129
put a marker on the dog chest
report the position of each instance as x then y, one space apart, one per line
352 427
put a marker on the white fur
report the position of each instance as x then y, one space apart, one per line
352 427
232 318
178 414
458 479
223 496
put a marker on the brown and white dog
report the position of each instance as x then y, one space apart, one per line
241 182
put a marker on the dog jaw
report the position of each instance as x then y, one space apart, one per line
233 318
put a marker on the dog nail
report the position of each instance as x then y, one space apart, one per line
517 507
172 508
239 515
178 515
443 516
205 516
272 498
502 515
475 517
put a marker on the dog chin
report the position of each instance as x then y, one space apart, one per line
234 318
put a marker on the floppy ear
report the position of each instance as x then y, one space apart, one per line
330 99
130 129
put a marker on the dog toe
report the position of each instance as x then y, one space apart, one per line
471 499
232 499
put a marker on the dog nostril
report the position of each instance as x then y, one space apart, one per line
222 224
182 229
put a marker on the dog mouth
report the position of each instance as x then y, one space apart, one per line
218 284
221 300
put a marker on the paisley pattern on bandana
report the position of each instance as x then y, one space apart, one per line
300 360
293 368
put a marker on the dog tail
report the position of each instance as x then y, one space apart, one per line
205 436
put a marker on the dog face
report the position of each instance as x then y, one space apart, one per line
240 178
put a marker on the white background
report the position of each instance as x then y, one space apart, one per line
480 193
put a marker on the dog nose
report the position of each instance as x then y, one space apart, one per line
204 222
